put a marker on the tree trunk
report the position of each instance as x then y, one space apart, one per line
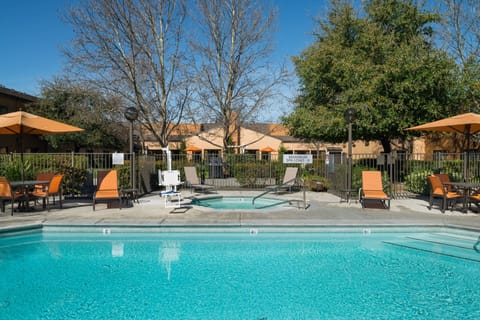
387 148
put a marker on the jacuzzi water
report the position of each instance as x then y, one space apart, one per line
117 273
237 202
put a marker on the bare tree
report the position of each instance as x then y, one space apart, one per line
461 38
234 76
133 48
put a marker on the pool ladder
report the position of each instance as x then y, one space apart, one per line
300 181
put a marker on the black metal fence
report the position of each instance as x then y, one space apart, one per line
404 174
80 169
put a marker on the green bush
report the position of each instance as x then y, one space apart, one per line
416 182
12 169
74 180
251 174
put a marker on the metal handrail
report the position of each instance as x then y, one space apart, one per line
275 188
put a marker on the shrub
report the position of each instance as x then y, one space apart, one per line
251 174
13 169
416 182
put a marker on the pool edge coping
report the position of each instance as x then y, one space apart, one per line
232 227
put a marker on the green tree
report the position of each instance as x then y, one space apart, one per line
88 109
383 64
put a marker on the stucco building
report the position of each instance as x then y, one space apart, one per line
11 101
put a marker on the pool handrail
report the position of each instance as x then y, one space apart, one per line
276 188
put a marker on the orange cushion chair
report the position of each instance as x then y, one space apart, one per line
107 188
438 190
372 188
54 188
7 194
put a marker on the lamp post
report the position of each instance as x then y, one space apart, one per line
349 115
131 114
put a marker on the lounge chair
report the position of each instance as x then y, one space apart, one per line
288 182
372 188
107 188
54 188
438 190
8 195
192 181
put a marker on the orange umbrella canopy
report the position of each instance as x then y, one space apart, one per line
193 149
466 123
267 149
21 122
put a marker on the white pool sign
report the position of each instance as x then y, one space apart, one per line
118 158
298 158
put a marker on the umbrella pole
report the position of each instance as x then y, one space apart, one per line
20 142
466 174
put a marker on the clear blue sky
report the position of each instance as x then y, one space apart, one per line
32 34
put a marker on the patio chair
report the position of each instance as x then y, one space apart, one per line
107 188
192 181
438 190
475 198
445 179
372 189
8 195
288 182
54 188
43 176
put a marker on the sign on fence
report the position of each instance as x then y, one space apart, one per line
117 158
298 158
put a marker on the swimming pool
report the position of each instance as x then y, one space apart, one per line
244 273
239 203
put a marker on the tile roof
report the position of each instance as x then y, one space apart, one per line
17 94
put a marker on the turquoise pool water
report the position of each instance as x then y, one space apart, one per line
240 274
237 202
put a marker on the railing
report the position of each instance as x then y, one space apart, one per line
404 173
80 169
288 184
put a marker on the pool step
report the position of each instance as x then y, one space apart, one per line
447 245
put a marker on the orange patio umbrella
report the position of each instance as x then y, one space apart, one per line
21 122
193 149
466 124
267 149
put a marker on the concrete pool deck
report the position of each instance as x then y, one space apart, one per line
325 209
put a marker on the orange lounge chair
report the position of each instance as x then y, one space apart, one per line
372 188
54 188
107 188
7 194
438 190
